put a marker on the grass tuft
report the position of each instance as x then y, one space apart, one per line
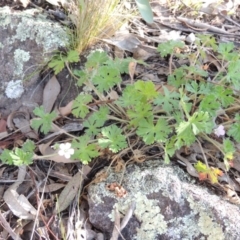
95 20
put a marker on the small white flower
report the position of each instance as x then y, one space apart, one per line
65 150
219 131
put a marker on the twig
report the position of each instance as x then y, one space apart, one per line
204 156
205 26
128 215
116 228
119 227
8 228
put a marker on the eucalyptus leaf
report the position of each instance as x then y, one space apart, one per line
145 10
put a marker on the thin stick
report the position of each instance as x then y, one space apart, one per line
8 228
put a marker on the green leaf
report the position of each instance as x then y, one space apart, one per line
177 78
6 157
208 41
234 131
186 131
225 49
201 122
196 71
130 97
185 135
169 149
146 88
113 139
168 47
201 167
19 156
140 112
96 59
82 75
120 63
153 133
96 120
79 108
72 56
83 150
169 101
28 146
199 88
225 96
210 104
45 121
106 78
56 64
233 76
228 146
145 10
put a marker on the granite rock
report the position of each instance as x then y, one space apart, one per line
168 206
27 41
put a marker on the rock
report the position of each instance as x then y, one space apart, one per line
27 41
168 206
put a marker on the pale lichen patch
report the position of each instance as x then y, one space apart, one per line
40 29
20 57
5 18
210 228
206 223
168 206
148 214
14 89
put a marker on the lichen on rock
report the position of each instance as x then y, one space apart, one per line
14 89
20 57
28 40
168 205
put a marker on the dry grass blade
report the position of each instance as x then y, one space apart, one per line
95 20
8 228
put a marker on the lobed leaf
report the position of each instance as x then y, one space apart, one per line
113 139
45 120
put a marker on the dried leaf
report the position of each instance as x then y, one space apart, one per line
113 95
54 2
52 154
50 93
24 125
66 110
19 204
3 126
131 69
25 3
51 187
124 41
69 192
231 195
3 135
